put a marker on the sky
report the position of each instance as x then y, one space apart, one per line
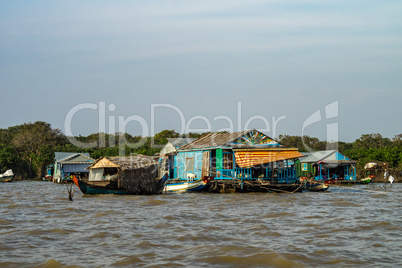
328 69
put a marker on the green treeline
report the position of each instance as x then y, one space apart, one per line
27 149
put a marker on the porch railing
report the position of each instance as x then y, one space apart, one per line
281 175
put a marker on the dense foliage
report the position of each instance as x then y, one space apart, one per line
27 149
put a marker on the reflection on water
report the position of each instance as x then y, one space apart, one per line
344 227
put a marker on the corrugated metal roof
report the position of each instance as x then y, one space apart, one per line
316 156
173 144
62 155
179 142
215 139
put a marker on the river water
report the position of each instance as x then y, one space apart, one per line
359 226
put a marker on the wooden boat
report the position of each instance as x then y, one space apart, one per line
122 175
176 186
98 187
7 176
109 187
316 186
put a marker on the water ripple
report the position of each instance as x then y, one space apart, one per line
344 227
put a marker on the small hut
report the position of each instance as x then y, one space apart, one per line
135 174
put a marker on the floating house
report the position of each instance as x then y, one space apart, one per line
240 161
68 164
122 175
166 155
329 165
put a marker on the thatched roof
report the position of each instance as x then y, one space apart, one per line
124 163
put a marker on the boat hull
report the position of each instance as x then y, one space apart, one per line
7 178
87 188
365 180
317 187
187 186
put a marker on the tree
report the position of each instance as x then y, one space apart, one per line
161 137
302 143
29 140
372 141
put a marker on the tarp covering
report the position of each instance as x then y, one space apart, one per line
96 174
7 173
246 159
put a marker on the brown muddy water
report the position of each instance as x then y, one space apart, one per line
359 226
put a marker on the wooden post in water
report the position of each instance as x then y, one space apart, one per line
70 192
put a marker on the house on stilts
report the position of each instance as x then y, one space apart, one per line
245 161
328 165
68 164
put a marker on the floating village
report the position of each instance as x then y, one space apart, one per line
221 162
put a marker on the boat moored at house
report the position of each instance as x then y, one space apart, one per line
245 161
122 175
185 186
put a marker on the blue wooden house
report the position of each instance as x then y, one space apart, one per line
326 165
67 164
247 160
168 153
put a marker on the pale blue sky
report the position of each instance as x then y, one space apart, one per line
276 58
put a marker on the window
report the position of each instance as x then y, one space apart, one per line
304 166
227 160
189 164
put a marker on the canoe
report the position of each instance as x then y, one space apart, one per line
318 186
